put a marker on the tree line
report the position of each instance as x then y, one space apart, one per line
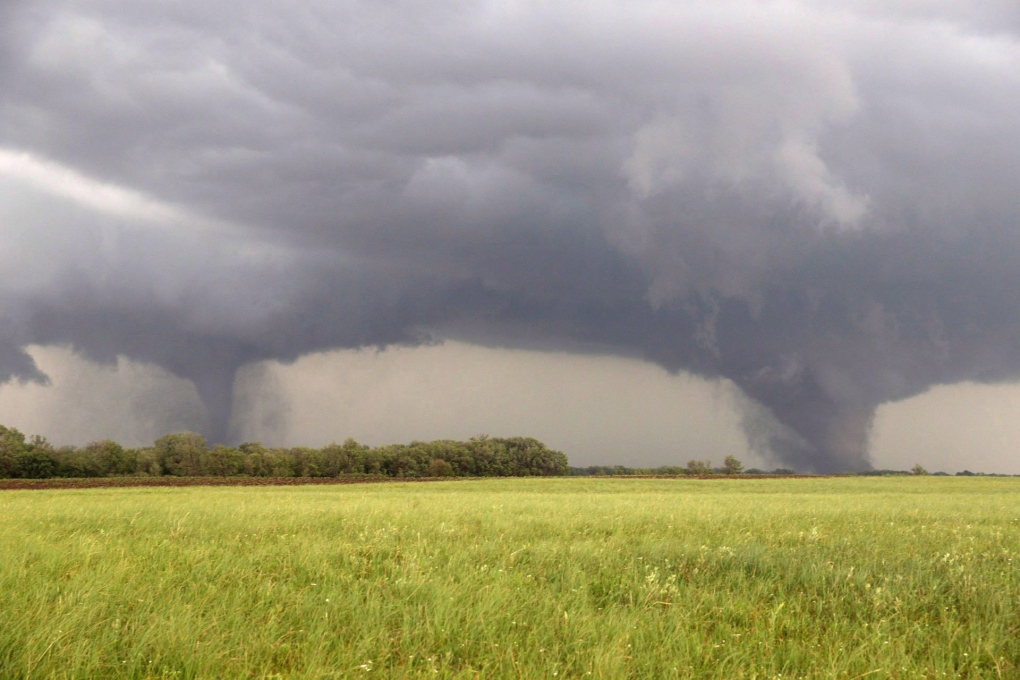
187 454
731 466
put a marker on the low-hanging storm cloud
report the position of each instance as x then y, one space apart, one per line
819 201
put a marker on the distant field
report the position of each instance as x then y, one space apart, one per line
531 578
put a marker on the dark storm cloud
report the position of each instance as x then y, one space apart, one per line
816 200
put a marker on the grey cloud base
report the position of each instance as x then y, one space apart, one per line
816 200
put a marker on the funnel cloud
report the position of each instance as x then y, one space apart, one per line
815 200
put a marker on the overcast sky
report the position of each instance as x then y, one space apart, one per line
645 231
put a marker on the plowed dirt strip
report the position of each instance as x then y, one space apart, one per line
117 482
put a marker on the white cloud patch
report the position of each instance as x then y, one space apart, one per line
103 197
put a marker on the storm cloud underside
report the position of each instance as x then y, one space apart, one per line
815 200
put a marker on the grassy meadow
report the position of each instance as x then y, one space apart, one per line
517 578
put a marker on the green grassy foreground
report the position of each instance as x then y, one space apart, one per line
608 578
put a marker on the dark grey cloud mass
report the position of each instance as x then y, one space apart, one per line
816 200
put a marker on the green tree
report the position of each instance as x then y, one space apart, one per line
36 464
345 459
38 461
732 466
107 457
12 446
222 461
279 463
146 462
310 462
918 470
440 468
698 467
180 454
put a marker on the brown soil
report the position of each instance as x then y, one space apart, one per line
118 482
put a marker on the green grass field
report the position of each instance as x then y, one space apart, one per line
530 578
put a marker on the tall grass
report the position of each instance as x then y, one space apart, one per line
820 578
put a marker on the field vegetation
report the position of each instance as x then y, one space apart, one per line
907 577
